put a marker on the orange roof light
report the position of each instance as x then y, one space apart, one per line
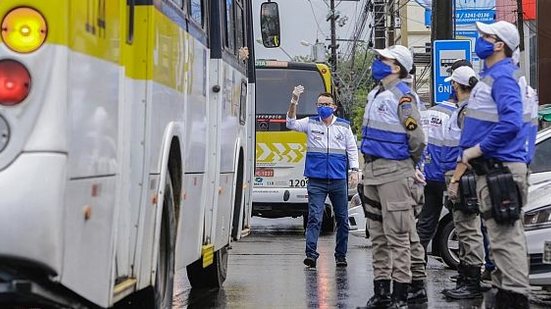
24 30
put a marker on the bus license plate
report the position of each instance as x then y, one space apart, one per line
264 172
547 252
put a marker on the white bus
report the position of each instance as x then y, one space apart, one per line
126 147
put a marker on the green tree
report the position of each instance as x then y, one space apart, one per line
353 81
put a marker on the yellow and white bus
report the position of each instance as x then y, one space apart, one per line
126 146
279 185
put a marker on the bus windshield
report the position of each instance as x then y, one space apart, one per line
274 88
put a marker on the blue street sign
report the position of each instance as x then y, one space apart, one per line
444 54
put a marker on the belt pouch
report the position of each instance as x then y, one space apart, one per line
504 195
468 202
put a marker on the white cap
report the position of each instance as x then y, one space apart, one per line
516 57
398 52
505 31
461 75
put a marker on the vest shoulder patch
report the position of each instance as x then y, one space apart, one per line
410 123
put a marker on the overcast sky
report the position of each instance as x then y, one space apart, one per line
304 20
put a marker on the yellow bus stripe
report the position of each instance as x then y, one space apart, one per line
98 28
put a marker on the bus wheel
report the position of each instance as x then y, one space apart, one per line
214 275
164 277
328 223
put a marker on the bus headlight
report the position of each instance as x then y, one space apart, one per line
4 133
24 30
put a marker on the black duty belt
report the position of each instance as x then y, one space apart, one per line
369 158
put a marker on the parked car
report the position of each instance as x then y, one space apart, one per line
445 244
537 224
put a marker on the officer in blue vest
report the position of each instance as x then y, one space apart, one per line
465 213
494 145
331 150
434 120
392 143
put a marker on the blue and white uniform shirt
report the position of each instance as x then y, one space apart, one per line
494 115
329 147
530 104
435 122
452 134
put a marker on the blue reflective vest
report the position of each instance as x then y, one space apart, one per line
435 120
383 135
494 115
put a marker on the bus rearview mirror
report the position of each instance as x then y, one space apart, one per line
269 24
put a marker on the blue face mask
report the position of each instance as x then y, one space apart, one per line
325 111
380 70
483 48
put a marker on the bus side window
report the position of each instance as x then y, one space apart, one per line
239 27
196 11
230 26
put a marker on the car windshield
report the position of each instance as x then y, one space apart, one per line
274 88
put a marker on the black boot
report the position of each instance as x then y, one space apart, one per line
417 293
381 299
511 300
471 288
460 278
399 295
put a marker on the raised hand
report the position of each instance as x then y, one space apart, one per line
296 94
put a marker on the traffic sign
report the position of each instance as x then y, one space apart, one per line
444 54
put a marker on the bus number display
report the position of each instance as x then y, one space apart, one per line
298 183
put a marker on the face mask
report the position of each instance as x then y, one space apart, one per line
325 111
483 48
380 70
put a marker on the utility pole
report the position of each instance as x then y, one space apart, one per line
442 27
380 37
334 45
520 24
391 28
442 22
404 22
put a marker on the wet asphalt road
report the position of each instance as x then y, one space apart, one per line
265 270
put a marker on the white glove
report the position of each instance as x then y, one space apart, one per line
471 153
353 179
419 177
296 94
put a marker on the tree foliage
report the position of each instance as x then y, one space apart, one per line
353 81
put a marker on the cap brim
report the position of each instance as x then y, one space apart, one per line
448 79
485 28
384 53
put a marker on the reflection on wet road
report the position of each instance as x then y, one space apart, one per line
265 270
